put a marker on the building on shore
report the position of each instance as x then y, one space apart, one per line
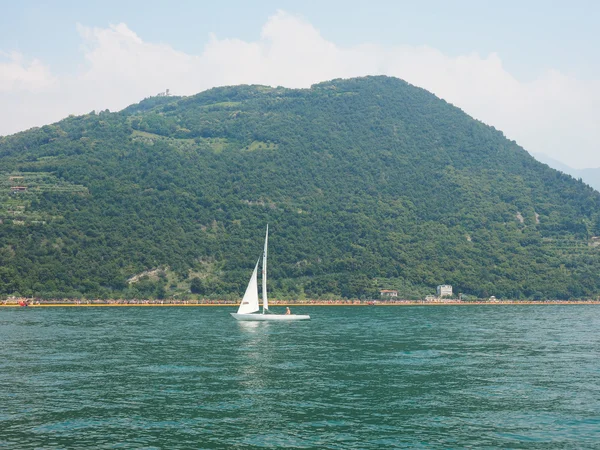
444 290
388 293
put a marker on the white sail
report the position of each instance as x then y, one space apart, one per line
250 301
264 274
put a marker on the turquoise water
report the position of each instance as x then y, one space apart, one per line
353 377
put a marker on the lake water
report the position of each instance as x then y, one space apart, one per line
353 377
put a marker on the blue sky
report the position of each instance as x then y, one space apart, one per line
530 68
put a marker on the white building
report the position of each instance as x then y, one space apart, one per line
388 293
444 290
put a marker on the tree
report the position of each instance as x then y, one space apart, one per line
197 286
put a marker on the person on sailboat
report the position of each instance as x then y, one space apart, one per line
287 311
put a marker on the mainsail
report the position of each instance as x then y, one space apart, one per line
250 300
264 275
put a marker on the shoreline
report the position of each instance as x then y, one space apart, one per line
294 304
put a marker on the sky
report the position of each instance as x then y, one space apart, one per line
529 68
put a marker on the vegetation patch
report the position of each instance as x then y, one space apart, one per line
21 192
222 105
260 145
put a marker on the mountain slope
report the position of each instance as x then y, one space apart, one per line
589 176
365 183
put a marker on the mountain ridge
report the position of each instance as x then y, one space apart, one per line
589 175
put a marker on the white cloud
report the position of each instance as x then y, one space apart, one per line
554 114
17 74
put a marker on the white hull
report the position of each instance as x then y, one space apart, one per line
270 317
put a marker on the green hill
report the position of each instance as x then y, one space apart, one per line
366 183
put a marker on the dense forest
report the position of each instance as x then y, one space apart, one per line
365 183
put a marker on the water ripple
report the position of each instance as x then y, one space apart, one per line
412 377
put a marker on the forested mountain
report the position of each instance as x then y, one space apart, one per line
366 183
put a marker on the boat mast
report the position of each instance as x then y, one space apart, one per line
264 274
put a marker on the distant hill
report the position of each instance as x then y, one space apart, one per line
588 176
366 183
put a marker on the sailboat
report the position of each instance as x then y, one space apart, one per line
249 308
